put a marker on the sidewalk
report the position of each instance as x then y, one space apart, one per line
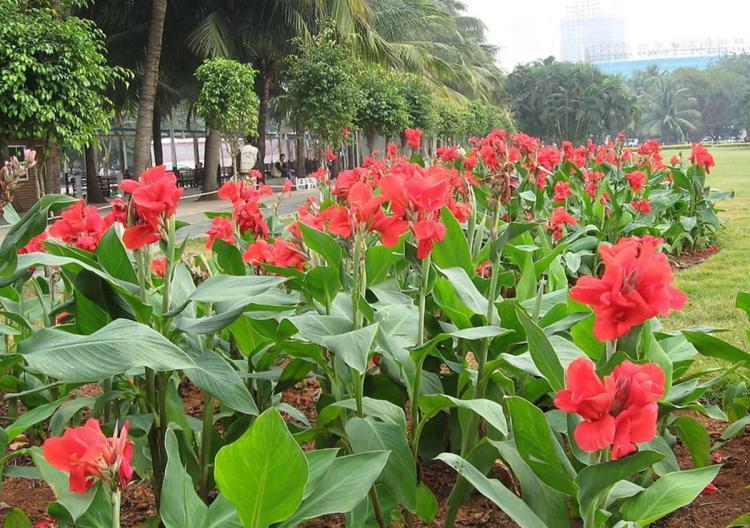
191 210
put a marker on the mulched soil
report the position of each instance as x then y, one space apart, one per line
691 257
715 510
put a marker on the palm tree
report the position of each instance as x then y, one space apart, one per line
147 100
667 110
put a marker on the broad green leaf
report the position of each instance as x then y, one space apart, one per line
113 258
491 411
222 514
322 243
229 258
427 504
743 520
399 475
594 481
217 377
652 351
550 505
538 448
30 418
317 328
318 462
695 437
670 492
115 349
453 251
353 347
712 346
467 292
231 288
378 260
542 353
346 482
263 473
180 505
16 518
505 499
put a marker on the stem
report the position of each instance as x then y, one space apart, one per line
420 341
459 488
538 301
170 264
356 271
206 431
115 498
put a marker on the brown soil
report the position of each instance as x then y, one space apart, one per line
715 510
691 257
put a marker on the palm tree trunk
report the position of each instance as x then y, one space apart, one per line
148 88
156 133
264 96
93 187
211 156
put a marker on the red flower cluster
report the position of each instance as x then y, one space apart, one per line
562 191
330 155
701 157
246 206
637 180
34 245
221 229
619 411
448 154
159 267
642 206
280 253
636 286
155 197
558 220
413 137
86 454
81 226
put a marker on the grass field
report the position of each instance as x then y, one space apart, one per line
713 285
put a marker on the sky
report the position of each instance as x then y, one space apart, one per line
526 30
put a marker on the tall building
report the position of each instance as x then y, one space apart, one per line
591 28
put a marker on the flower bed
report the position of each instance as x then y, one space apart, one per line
499 304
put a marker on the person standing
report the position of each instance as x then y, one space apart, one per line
248 156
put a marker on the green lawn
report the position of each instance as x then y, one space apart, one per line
713 285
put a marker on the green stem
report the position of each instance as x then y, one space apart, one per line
206 432
357 277
170 264
115 497
460 487
538 301
420 341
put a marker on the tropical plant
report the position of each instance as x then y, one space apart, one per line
668 111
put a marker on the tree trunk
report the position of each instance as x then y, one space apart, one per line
148 88
93 188
300 148
156 133
53 161
211 157
264 96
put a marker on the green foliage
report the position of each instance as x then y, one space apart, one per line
564 101
321 87
454 119
419 95
55 76
227 99
486 117
383 107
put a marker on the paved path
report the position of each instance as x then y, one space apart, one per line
191 210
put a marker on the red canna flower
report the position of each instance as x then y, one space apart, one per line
80 225
330 155
427 232
642 206
710 489
288 186
34 245
618 411
345 131
119 212
562 191
155 196
280 253
701 157
61 317
637 180
674 160
159 266
45 523
222 229
449 154
86 454
391 150
636 286
413 137
558 220
484 270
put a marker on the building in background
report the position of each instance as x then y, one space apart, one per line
594 31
